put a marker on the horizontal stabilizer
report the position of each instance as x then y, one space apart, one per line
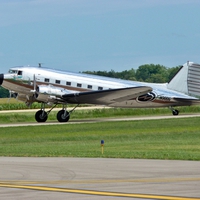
106 97
187 102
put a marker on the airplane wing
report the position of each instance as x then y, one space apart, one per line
106 97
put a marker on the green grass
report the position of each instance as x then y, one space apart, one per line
95 113
152 139
13 104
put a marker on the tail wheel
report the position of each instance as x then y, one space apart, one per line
175 112
63 116
41 116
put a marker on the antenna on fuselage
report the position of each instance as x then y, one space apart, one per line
40 65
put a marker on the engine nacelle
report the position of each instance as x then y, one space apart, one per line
50 94
51 90
25 98
42 98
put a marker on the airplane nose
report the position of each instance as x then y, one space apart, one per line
1 78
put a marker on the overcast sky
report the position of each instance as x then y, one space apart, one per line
80 35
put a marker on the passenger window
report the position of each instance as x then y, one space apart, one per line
58 81
68 83
46 80
79 85
100 88
89 86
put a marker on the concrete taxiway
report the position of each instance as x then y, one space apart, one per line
98 178
100 120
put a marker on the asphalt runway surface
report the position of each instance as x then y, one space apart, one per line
98 178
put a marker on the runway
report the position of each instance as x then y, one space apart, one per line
98 178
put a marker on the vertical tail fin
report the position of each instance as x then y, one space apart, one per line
187 80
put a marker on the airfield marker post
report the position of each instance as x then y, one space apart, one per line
102 146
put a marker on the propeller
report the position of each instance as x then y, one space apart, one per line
34 84
10 95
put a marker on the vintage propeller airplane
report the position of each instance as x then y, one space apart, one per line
53 87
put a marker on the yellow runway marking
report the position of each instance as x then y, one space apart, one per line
99 193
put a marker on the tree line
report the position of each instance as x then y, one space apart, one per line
150 73
146 73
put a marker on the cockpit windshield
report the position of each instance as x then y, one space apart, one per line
11 71
14 71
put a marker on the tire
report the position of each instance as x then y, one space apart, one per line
62 116
41 116
175 112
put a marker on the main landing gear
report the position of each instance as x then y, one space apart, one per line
174 111
62 115
41 116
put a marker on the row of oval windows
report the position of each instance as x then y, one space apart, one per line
69 84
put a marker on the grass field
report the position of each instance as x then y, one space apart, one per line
14 117
152 139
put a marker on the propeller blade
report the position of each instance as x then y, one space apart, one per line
34 82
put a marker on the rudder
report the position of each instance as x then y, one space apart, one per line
187 80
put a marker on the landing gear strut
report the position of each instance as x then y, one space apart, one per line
62 115
174 111
41 116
